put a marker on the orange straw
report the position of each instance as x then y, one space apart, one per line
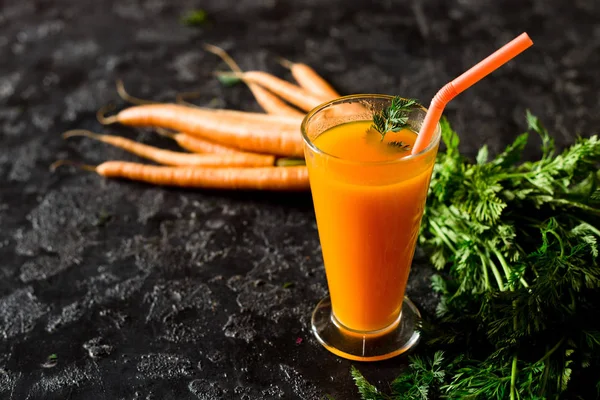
463 82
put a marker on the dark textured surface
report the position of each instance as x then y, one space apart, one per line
151 293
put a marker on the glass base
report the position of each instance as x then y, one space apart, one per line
386 343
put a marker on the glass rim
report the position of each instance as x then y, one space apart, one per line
434 141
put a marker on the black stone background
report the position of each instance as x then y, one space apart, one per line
156 293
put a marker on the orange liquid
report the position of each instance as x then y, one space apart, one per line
368 218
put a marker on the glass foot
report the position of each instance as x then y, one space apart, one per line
386 343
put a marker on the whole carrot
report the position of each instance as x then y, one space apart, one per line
195 144
175 158
201 146
264 178
254 132
221 113
309 80
267 100
294 94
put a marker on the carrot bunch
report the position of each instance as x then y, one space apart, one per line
224 149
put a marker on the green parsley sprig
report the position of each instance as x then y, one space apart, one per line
393 118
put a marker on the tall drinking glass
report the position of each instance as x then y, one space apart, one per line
369 196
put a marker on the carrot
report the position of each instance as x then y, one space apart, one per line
264 178
168 157
220 113
195 144
284 89
267 100
309 80
254 132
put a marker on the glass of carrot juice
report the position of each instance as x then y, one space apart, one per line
369 194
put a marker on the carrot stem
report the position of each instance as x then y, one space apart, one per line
180 98
229 74
289 162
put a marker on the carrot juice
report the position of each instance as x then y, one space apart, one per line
369 196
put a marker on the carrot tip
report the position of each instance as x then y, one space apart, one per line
101 115
164 132
129 98
285 62
80 132
60 163
211 48
229 78
223 55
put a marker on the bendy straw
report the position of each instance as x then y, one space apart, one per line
463 82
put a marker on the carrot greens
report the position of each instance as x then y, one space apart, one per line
196 17
393 118
516 244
